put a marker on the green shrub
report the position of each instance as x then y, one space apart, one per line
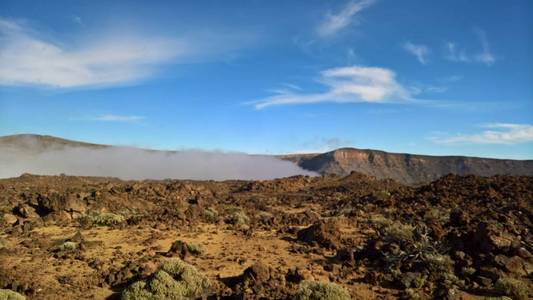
380 221
381 195
68 246
468 271
175 279
311 290
440 214
411 294
211 215
512 287
4 209
264 215
237 217
3 243
437 263
397 232
105 219
10 295
195 249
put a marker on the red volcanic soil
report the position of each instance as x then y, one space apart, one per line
85 237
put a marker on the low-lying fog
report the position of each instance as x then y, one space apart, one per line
134 163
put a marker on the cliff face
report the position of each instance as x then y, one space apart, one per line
407 168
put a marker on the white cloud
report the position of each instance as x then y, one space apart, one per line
117 118
26 58
419 51
346 85
495 133
333 23
321 145
456 55
452 78
77 20
485 56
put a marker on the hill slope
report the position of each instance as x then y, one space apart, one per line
407 168
35 143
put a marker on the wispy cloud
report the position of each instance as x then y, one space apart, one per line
484 56
321 144
334 22
421 52
346 85
450 79
494 133
77 19
117 118
29 57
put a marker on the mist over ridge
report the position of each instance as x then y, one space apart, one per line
51 156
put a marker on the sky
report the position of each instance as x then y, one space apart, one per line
429 77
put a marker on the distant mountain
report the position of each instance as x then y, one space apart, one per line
404 168
35 143
407 168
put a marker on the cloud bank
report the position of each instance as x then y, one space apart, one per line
496 133
333 23
346 85
134 163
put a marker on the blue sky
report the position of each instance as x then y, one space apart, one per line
429 77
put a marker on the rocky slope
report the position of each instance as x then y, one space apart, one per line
407 168
327 238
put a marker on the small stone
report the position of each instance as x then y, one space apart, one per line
27 211
491 273
523 253
9 219
515 265
484 281
258 272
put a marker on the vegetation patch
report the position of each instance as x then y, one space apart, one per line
512 287
312 290
68 246
10 295
236 216
103 219
175 279
210 215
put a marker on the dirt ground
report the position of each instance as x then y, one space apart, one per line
467 237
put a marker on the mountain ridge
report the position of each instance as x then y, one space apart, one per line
406 168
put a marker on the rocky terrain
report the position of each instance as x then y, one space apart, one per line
332 237
408 169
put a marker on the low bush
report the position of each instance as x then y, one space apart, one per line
512 287
175 279
397 232
312 290
236 216
195 249
211 215
10 295
68 246
103 219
